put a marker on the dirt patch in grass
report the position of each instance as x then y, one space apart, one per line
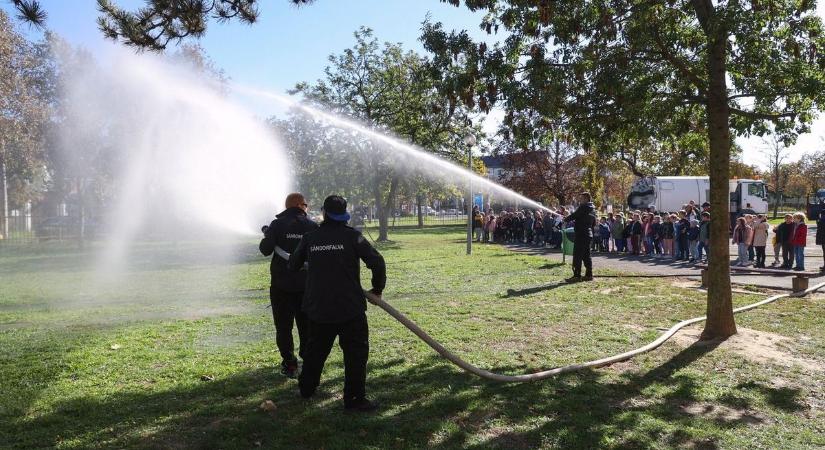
723 413
756 346
685 284
610 290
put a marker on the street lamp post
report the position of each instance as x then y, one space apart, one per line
470 140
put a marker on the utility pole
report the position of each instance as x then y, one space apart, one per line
470 140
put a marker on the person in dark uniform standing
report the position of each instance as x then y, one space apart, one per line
584 217
334 301
286 292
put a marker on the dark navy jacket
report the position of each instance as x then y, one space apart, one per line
585 217
285 232
333 291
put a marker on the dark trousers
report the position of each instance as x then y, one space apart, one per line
684 251
760 256
787 254
353 337
286 310
750 253
581 254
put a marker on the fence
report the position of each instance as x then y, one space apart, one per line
27 228
412 221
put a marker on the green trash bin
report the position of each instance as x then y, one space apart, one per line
567 237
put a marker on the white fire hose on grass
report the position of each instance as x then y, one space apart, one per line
563 369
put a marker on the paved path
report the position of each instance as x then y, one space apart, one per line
655 266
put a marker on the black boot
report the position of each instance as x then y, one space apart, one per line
574 279
360 405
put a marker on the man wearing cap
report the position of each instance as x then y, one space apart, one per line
334 301
287 288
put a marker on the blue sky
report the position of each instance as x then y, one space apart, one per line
288 44
291 44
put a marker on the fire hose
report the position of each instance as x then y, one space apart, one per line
412 326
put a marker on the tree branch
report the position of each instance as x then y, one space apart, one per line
763 116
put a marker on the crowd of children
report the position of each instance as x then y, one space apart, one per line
678 236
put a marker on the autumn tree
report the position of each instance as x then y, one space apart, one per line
389 90
776 152
23 114
540 160
812 167
629 71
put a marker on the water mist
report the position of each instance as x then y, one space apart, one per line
193 177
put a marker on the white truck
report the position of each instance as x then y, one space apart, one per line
669 194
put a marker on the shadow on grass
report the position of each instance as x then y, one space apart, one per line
532 290
143 256
429 404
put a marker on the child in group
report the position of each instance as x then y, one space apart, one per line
538 229
635 234
490 228
704 234
667 236
647 233
741 237
657 235
693 240
617 229
800 238
760 239
604 235
527 224
681 227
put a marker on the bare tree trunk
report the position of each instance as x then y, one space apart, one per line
380 211
777 190
5 198
81 208
720 322
420 201
384 207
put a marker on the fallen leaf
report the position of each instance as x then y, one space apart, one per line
268 406
207 378
115 346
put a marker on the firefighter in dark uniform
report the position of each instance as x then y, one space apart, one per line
287 289
584 217
334 301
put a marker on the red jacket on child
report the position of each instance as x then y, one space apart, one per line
800 235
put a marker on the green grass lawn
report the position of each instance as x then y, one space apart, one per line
181 352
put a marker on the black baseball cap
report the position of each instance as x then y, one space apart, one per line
335 207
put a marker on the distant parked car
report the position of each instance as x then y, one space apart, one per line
64 227
56 227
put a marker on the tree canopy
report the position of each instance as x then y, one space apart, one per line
631 73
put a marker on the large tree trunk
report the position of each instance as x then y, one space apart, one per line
380 211
419 199
384 207
720 322
4 198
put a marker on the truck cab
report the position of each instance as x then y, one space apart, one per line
816 203
748 197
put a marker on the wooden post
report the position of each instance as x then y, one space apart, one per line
800 284
704 278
